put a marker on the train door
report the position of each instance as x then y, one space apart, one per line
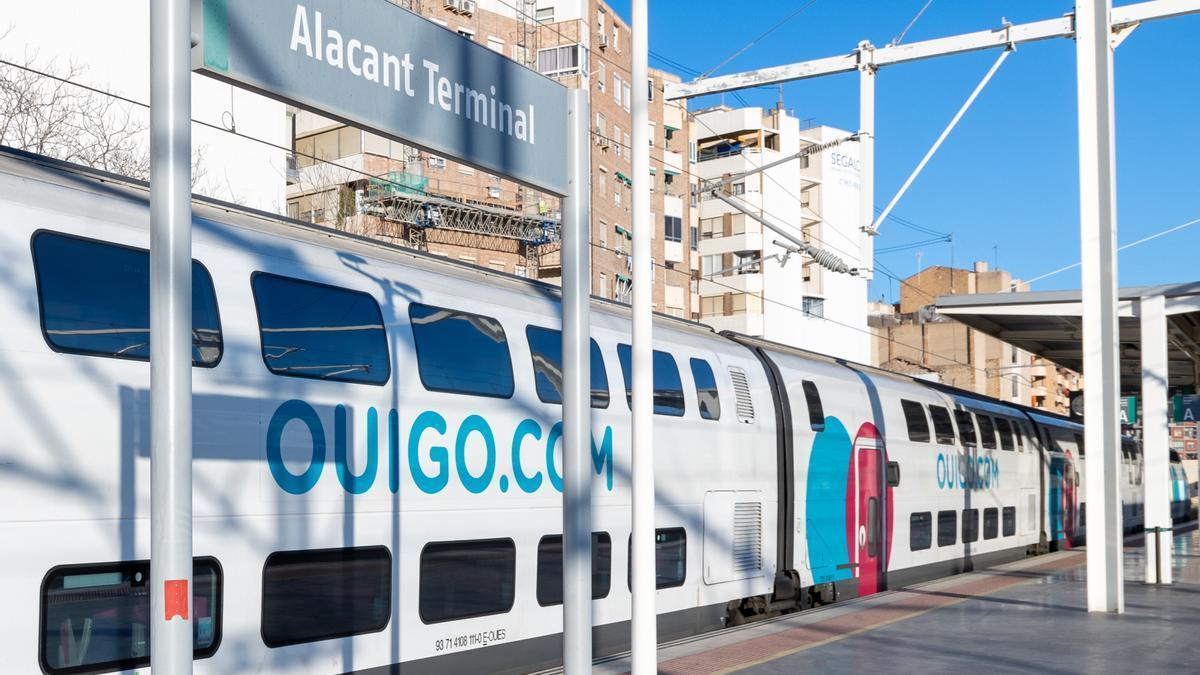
866 502
1062 498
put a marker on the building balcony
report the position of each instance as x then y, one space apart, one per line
749 241
746 323
736 283
713 207
728 122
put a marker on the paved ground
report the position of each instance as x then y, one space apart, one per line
1029 615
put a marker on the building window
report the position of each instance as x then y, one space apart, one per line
319 331
96 617
495 44
463 579
601 76
668 387
550 565
544 14
617 88
604 285
461 353
324 594
650 91
673 228
625 95
813 307
920 531
545 349
706 389
914 418
695 238
94 299
564 60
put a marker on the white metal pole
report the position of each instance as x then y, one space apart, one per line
1101 371
1156 451
866 159
577 409
645 630
171 337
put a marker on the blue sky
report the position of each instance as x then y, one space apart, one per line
1007 177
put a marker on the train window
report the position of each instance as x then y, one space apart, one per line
990 522
914 417
323 594
872 527
668 388
545 349
947 528
1006 434
920 531
96 617
94 299
943 428
970 525
966 427
816 412
320 331
463 579
460 352
1009 516
1079 444
1019 435
670 558
706 389
550 565
987 432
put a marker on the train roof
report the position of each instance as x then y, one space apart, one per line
31 166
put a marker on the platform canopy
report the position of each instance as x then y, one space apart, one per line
1048 324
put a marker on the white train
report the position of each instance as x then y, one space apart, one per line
377 455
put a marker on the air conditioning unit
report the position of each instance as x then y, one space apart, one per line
466 7
602 40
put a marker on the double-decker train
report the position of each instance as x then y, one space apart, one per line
377 455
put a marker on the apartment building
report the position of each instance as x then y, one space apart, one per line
380 188
911 338
749 281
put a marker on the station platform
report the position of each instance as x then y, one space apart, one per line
1030 614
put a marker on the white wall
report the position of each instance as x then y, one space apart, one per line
112 40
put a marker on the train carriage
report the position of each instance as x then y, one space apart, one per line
377 455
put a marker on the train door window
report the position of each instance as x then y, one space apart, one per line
947 528
545 349
920 531
670 558
1019 435
990 523
668 387
1009 517
816 412
872 527
914 417
96 617
970 525
943 428
966 427
461 353
1006 434
987 432
325 593
550 565
94 299
463 579
320 331
706 389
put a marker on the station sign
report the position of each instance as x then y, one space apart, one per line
1129 411
1185 408
383 68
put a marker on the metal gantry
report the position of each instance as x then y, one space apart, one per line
1097 28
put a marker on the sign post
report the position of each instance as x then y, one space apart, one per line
171 338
